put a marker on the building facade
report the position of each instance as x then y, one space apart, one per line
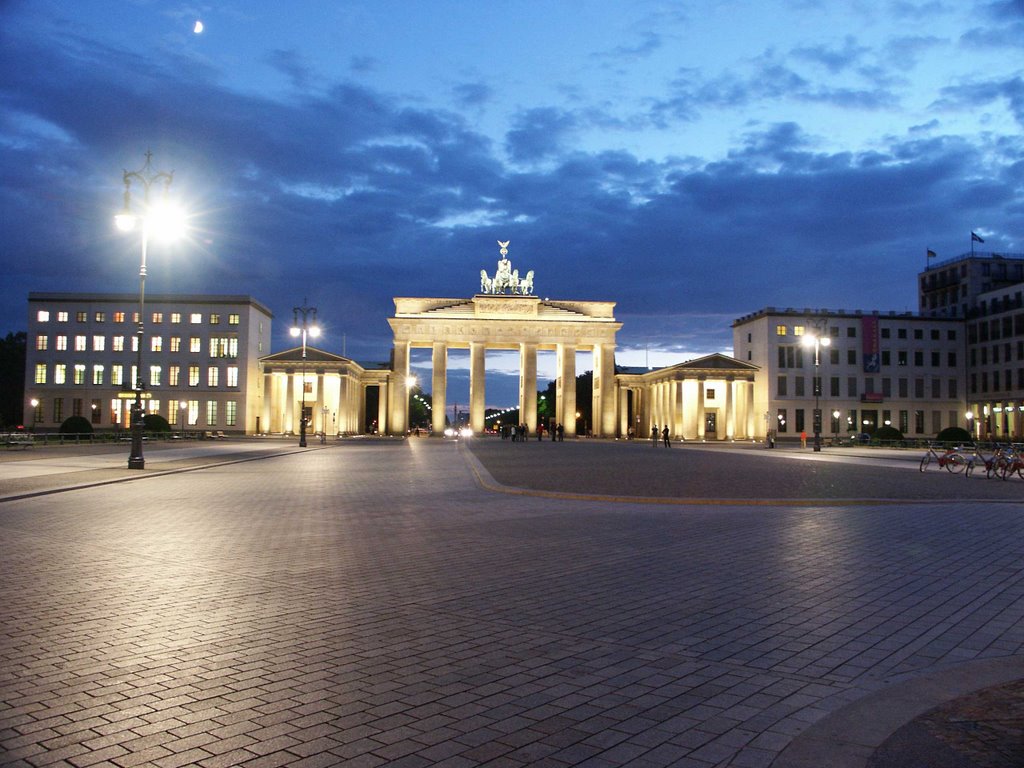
200 360
872 369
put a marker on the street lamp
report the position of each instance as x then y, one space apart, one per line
182 409
970 422
817 341
158 218
34 402
835 424
308 327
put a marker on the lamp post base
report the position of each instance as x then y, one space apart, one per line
136 459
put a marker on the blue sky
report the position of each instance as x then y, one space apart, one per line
691 161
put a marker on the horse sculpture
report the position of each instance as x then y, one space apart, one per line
486 284
526 284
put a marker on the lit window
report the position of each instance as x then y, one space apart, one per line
211 413
158 317
79 373
232 376
62 317
214 318
156 344
173 375
97 374
780 330
232 348
233 319
175 317
193 375
119 317
115 411
154 375
196 318
60 373
97 411
62 343
175 343
195 344
80 344
41 342
42 316
98 343
212 376
40 373
135 318
798 330
230 413
117 375
118 344
82 317
100 317
193 412
135 343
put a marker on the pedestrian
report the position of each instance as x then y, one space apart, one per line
664 436
803 439
540 431
561 433
654 435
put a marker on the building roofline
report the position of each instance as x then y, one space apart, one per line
838 313
169 298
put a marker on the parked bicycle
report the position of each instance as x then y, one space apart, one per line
952 459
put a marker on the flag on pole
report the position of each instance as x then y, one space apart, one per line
931 254
976 239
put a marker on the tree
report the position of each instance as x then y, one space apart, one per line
76 425
154 422
12 379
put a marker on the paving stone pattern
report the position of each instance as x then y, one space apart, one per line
370 604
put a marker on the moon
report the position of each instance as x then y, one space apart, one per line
198 27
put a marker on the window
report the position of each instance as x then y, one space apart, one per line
60 373
193 412
901 333
885 333
901 357
118 344
780 389
918 357
79 373
952 388
40 373
919 388
41 342
62 343
195 344
80 344
100 317
935 334
230 413
936 389
918 334
232 376
193 375
234 319
886 357
58 409
175 343
135 343
780 419
62 317
919 422
154 375
834 386
196 318
851 357
800 427
780 330
798 389
214 318
42 316
97 374
798 330
212 376
99 343
951 335
211 413
175 318
951 359
173 375
851 386
117 375
158 317
886 387
936 359
81 317
851 332
119 317
156 343
833 356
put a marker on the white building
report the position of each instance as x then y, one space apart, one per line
200 359
873 369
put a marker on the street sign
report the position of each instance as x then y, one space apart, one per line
131 395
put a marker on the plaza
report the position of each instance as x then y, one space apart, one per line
381 601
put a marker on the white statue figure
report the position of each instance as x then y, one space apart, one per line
503 277
526 284
513 281
485 282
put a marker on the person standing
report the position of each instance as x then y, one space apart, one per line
654 435
664 436
561 433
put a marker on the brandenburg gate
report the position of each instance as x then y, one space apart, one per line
506 316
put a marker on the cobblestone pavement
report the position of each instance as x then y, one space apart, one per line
370 603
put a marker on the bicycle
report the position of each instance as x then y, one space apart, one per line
953 459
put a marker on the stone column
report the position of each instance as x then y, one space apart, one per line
477 386
528 385
565 389
399 408
438 386
730 415
604 390
382 408
623 398
266 407
700 409
289 404
318 406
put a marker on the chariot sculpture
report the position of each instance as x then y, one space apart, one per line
506 279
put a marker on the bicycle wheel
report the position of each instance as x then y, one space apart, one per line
925 461
955 463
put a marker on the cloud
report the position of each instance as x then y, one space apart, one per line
538 133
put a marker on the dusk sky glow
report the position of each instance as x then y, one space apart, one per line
691 161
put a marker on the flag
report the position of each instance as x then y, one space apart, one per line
976 239
932 254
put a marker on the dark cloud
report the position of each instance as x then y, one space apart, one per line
538 133
472 94
835 60
291 64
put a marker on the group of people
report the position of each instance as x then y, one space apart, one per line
519 432
664 436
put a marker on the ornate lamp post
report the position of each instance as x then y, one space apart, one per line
183 415
817 341
310 328
156 218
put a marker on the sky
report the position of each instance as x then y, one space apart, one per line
691 161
